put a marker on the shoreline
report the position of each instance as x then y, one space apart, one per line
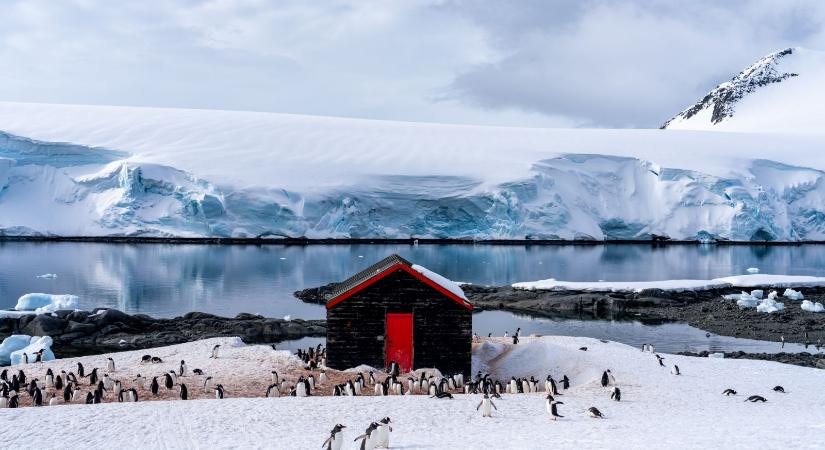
302 241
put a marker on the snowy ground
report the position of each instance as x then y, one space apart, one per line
741 281
659 410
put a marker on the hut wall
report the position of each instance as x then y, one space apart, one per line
442 333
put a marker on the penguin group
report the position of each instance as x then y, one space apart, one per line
377 435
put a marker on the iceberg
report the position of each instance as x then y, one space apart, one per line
791 294
34 345
770 305
11 344
809 306
46 303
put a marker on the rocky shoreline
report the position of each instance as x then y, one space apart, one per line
80 333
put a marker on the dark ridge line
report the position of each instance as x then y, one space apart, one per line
409 241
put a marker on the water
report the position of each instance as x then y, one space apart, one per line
166 280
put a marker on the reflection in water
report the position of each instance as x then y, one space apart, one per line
165 280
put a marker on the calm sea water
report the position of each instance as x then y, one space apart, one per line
168 280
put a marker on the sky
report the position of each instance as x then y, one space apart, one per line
535 63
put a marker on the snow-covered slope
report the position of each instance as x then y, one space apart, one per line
781 92
115 171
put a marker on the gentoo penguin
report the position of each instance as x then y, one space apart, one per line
67 393
372 377
755 398
90 398
550 386
21 377
184 393
274 377
80 372
154 386
174 376
367 442
25 358
117 388
444 395
133 395
322 377
779 389
58 382
183 372
506 334
156 360
394 368
93 377
52 400
273 391
110 365
616 394
382 433
37 398
584 349
605 379
215 351
660 359
311 380
14 401
675 370
729 392
335 439
301 388
219 391
146 358
595 413
611 378
49 378
486 406
552 409
139 381
167 381
512 388
206 383
107 382
782 338
565 382
197 371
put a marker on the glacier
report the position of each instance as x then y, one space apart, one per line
68 170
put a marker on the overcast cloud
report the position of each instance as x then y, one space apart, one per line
529 63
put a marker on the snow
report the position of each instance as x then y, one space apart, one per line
169 172
10 344
809 306
46 303
449 285
777 281
686 411
779 93
34 345
791 294
769 305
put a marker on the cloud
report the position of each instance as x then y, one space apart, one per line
531 63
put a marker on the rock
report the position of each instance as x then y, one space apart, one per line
78 316
247 316
80 327
198 315
63 313
44 325
820 364
109 317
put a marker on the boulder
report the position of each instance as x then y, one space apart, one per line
44 325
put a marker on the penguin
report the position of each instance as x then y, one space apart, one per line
184 393
584 349
552 407
154 386
616 394
139 381
660 359
367 442
322 377
311 380
49 378
122 395
118 388
506 334
486 406
67 394
513 386
133 395
53 400
779 389
174 376
372 377
21 377
675 370
605 379
4 402
146 358
382 438
444 395
25 358
37 398
273 391
206 383
197 371
611 378
595 413
14 401
219 391
274 377
183 371
80 372
394 368
90 398
756 398
107 382
565 382
728 392
97 398
93 377
301 388
215 351
167 380
335 439
110 365
156 360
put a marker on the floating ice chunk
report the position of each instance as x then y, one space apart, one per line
757 293
10 344
810 306
770 306
793 295
36 343
46 303
752 270
48 275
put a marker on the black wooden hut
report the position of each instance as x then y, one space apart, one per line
397 311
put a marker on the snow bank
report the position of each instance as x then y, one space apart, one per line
809 306
34 345
449 285
46 303
11 344
777 281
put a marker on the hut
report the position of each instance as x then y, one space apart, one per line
398 311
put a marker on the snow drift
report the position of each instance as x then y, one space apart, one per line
112 171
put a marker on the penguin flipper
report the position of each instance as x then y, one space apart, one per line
327 442
363 436
494 405
479 405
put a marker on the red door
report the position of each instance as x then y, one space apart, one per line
400 340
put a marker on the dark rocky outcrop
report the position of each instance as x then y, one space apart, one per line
78 333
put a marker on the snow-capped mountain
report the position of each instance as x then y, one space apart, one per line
781 92
114 171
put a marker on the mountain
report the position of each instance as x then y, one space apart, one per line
781 92
69 170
